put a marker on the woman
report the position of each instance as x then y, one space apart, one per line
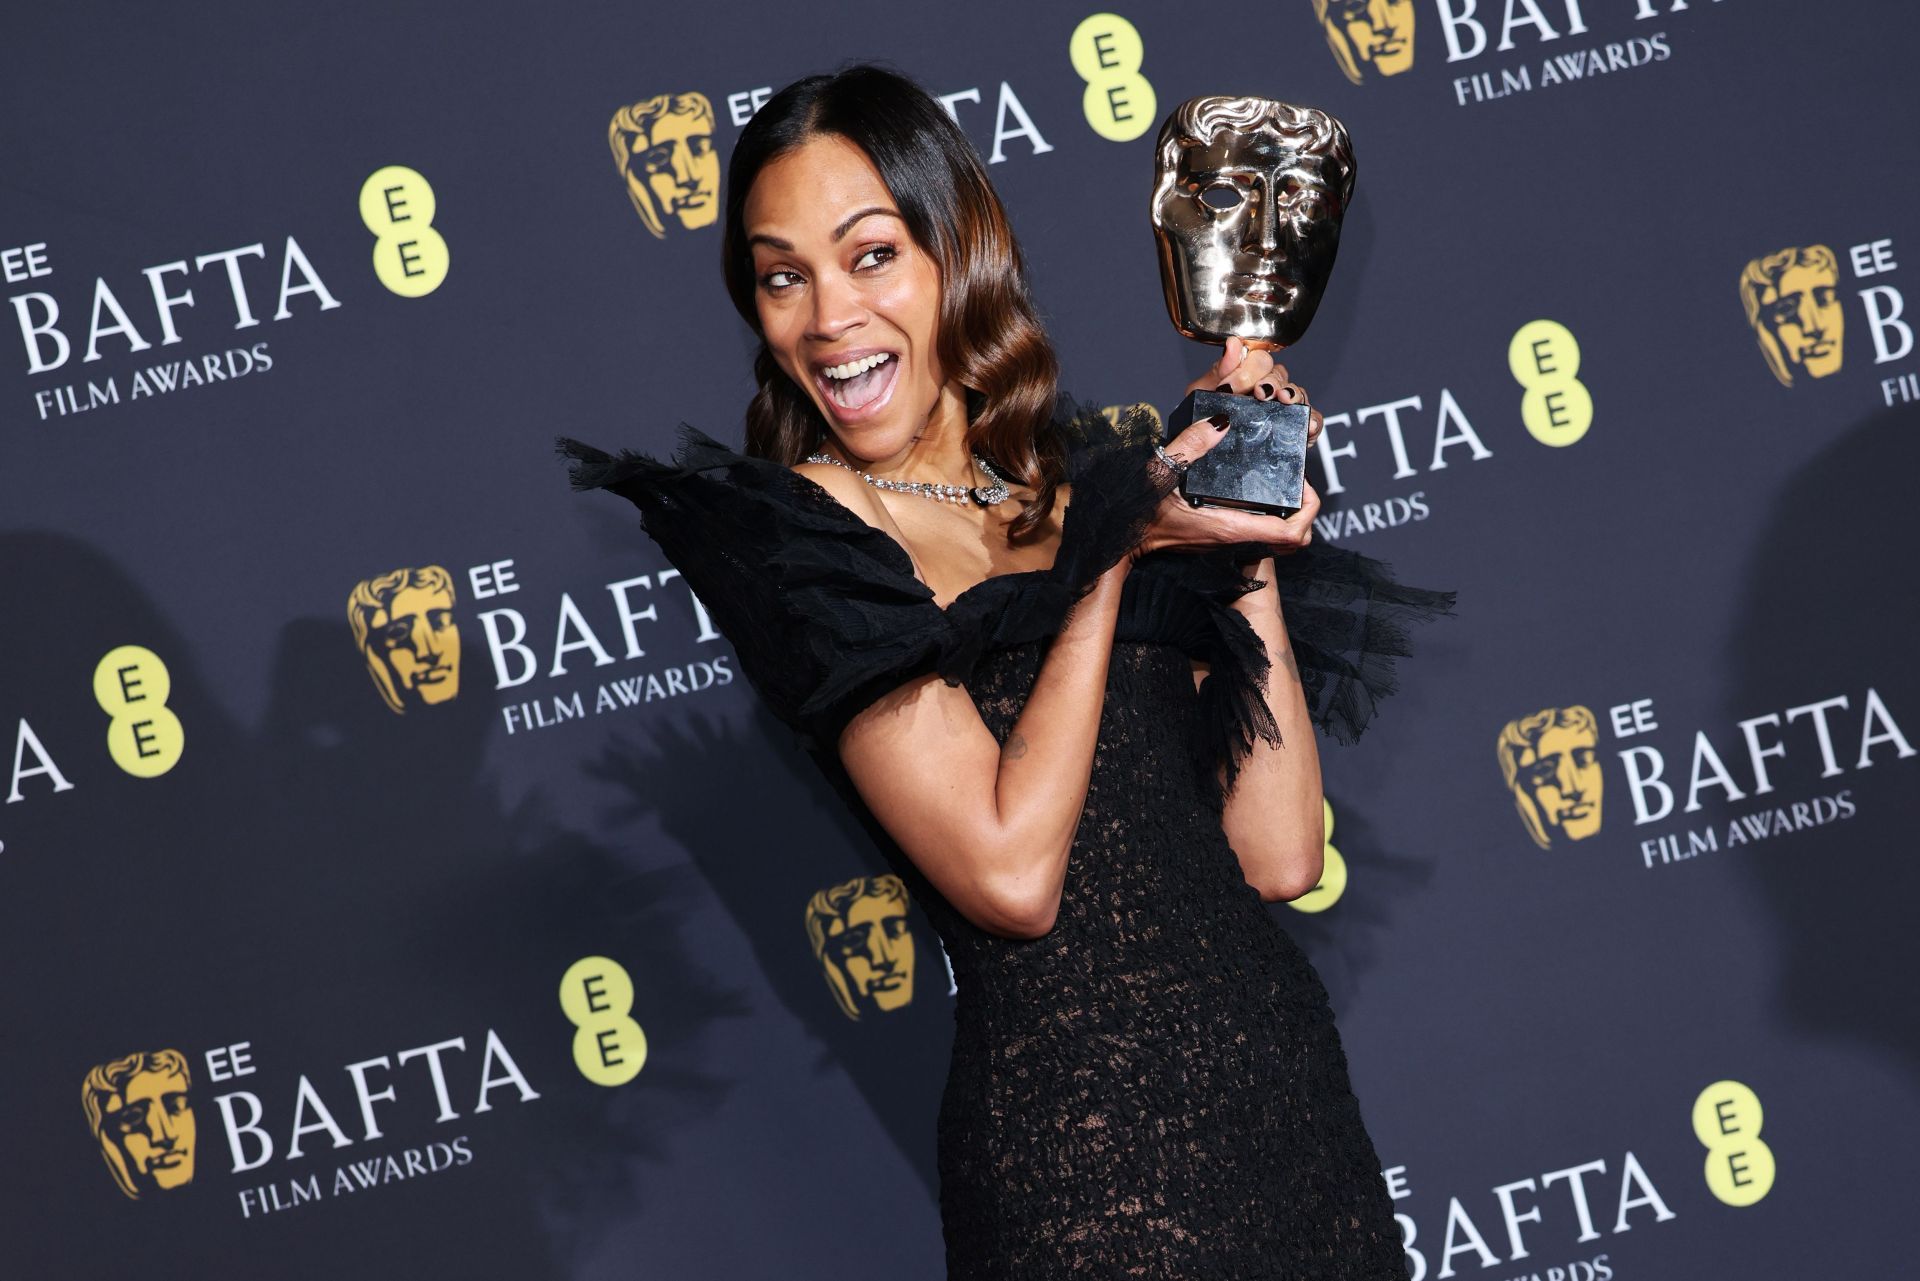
1078 731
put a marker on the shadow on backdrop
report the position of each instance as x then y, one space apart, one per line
1831 606
766 832
341 885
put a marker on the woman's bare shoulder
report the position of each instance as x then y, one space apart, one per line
852 492
855 495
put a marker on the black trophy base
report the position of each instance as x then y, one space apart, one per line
1259 463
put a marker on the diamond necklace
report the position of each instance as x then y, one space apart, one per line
985 495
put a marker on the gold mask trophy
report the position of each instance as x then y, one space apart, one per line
1248 195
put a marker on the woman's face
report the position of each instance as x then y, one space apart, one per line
849 304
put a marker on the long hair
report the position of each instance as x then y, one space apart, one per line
990 339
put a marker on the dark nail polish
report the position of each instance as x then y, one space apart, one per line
1270 389
1219 421
1224 387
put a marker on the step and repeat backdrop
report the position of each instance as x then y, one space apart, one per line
398 878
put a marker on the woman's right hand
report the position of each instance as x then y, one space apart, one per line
1183 527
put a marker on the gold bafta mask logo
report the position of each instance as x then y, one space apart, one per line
1792 300
403 625
1368 37
860 937
138 1110
1551 763
663 147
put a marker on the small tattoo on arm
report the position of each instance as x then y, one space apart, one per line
1015 748
1286 658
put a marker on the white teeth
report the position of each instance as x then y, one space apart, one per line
860 366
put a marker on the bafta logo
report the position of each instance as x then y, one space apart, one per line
1792 300
1368 37
138 1110
403 626
859 934
663 147
1551 763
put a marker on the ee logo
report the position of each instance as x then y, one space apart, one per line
1726 1118
596 995
1333 873
144 737
1107 52
1544 357
409 256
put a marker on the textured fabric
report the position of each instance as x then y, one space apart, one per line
1155 1088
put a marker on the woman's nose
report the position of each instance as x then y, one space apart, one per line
836 308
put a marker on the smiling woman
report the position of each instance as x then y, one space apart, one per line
1080 731
856 232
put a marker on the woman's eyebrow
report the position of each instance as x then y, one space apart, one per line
839 233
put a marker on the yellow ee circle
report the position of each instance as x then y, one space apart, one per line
1544 358
1739 1168
610 1055
595 989
1107 52
596 995
144 737
397 205
1557 415
1726 1112
1543 352
1333 872
1740 1176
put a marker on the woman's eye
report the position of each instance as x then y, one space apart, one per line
772 280
885 252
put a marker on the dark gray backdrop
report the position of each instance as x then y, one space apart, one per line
329 883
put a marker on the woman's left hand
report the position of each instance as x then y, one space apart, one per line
1247 372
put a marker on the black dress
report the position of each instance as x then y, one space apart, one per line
1155 1087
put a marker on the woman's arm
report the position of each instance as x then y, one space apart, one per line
1273 816
991 825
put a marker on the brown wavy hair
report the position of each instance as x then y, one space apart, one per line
990 337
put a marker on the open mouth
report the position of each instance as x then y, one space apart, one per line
860 385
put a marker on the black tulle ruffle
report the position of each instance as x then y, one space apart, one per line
827 616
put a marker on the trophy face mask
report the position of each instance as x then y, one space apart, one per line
1247 202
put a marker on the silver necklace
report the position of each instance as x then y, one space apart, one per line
985 495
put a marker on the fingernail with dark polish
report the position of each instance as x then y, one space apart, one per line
1224 387
1219 421
1270 389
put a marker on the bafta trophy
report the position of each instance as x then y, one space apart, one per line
1248 195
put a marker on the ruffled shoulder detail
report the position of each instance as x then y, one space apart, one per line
826 614
823 608
1350 622
813 599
